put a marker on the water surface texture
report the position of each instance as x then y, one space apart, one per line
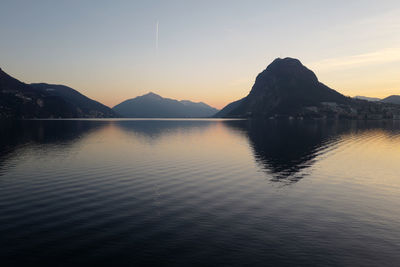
199 192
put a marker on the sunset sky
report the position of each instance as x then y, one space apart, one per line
208 51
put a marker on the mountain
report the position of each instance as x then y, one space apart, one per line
286 87
371 99
21 100
152 105
229 108
82 104
393 99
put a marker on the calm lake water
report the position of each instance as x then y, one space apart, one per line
199 192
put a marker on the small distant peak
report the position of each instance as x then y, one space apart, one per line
152 95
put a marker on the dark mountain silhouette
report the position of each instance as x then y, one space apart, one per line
225 112
393 99
154 106
371 99
21 100
84 105
285 87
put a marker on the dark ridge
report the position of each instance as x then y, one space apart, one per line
85 106
393 99
21 100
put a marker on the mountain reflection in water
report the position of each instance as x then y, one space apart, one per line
286 149
199 192
283 149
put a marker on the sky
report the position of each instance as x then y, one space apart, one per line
208 51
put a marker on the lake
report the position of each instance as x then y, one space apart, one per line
199 192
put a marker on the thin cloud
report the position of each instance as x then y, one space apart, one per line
378 57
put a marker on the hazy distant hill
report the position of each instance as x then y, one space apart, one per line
20 100
393 99
285 87
371 99
154 106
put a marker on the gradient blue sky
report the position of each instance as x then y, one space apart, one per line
208 51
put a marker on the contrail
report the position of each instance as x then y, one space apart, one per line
157 35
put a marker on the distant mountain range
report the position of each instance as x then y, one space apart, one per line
286 88
42 100
393 99
152 105
21 100
371 99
